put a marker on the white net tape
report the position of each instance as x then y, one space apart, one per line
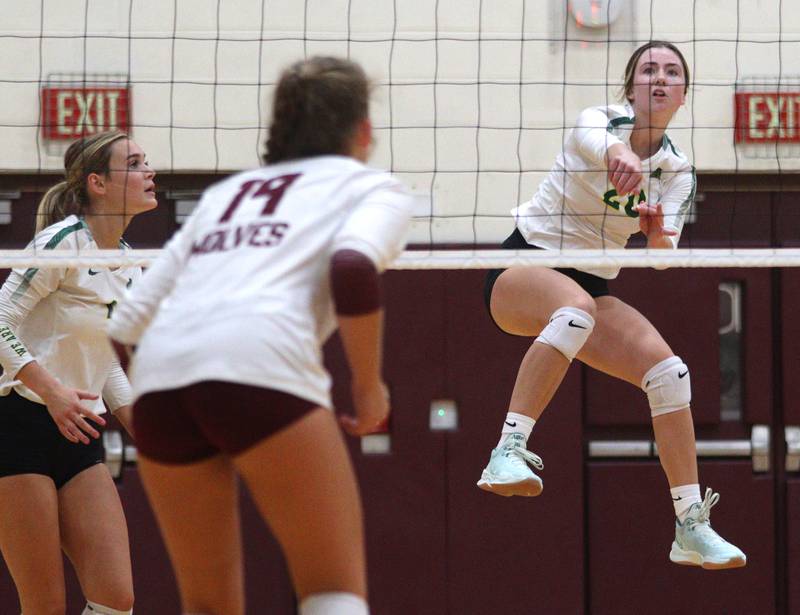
459 259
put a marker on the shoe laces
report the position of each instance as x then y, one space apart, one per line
514 449
701 517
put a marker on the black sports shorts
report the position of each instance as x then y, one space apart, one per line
30 443
199 421
592 284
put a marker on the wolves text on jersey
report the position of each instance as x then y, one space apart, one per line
255 234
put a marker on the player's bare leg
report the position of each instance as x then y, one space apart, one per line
32 552
304 485
94 535
625 344
197 507
527 301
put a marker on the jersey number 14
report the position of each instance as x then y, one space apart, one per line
271 190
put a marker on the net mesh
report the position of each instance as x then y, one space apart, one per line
473 100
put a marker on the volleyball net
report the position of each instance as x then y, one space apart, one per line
473 100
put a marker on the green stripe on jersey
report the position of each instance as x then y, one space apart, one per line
668 141
684 207
618 121
52 243
56 239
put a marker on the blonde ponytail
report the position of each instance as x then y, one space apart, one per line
56 204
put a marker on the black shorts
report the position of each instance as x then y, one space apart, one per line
199 421
592 284
30 443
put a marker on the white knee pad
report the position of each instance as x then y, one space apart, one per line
567 331
334 603
92 608
668 386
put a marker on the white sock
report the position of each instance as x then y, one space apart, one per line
334 603
92 608
516 423
683 497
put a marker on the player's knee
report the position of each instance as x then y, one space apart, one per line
568 330
126 608
668 386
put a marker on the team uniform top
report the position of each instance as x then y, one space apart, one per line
58 317
241 293
577 207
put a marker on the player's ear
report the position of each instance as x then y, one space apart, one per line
96 184
364 133
362 140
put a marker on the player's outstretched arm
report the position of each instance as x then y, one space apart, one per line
355 283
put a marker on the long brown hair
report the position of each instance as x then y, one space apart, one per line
83 157
317 107
630 69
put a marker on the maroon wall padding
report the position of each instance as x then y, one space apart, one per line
404 492
631 530
757 343
507 555
793 544
154 584
742 219
790 325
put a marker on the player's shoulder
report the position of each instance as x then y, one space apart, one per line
69 233
616 115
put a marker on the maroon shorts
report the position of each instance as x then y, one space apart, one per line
201 420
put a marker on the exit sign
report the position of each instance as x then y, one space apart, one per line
71 112
767 117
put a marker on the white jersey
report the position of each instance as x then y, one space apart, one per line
58 317
241 293
577 207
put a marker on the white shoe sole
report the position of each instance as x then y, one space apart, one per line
693 558
530 487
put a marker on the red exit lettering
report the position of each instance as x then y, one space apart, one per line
68 113
767 117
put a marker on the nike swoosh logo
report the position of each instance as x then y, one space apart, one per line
681 375
680 497
514 424
93 272
571 323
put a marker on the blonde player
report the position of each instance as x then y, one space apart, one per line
58 369
619 174
228 372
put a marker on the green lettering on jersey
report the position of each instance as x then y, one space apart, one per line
612 200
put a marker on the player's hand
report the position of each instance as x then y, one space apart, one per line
651 222
64 405
624 169
371 403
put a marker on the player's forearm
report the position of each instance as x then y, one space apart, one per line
355 284
362 338
38 380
